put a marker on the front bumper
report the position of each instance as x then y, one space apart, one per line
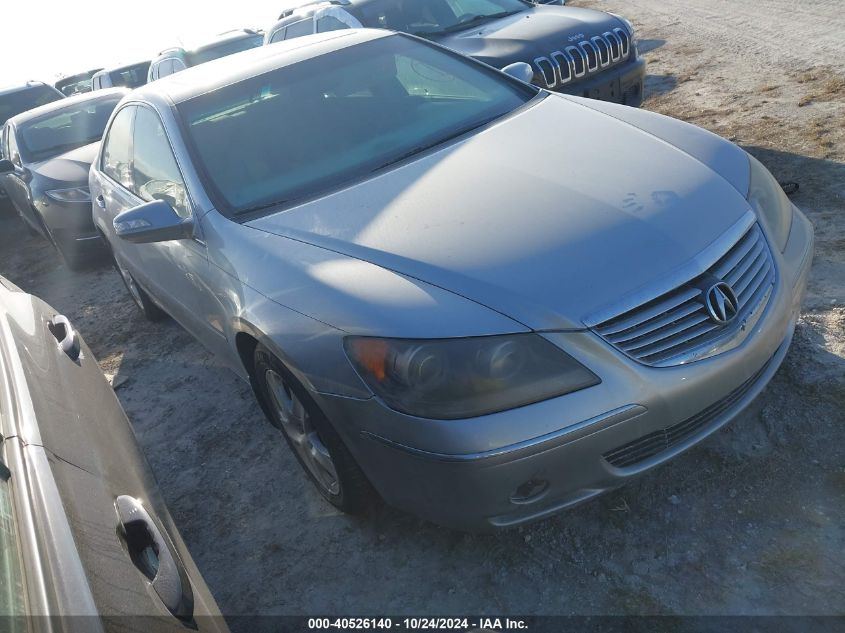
618 84
70 224
525 464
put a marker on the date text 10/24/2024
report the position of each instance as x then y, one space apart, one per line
418 624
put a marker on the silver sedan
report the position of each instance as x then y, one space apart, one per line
478 300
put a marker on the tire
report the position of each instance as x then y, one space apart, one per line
150 310
310 436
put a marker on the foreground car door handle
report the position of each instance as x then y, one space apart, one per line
101 201
63 332
154 557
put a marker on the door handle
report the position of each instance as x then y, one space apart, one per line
63 332
154 557
101 201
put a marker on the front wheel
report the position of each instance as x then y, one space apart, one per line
151 311
317 446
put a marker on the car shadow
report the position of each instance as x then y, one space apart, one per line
656 85
646 46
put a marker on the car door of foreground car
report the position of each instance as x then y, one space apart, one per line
95 534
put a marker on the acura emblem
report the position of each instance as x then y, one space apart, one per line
721 303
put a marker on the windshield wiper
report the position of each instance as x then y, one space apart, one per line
468 24
57 150
260 207
421 148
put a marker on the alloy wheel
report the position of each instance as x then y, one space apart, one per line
297 425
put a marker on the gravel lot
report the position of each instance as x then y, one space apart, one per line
749 522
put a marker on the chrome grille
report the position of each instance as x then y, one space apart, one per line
676 327
561 67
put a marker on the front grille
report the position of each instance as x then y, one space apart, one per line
674 327
648 446
589 56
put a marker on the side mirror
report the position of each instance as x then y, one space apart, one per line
6 167
154 221
520 70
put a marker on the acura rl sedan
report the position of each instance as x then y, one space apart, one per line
48 153
84 531
481 301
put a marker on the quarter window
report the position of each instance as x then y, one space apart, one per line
297 29
156 174
117 146
330 23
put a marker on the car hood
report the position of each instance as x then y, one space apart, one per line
71 167
548 216
529 34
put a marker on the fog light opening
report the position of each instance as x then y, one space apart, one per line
530 491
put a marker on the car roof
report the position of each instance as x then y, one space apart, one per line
106 71
5 90
220 38
215 74
53 106
292 5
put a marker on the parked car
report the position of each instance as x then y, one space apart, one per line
49 152
129 76
431 298
173 60
76 84
85 530
17 99
571 50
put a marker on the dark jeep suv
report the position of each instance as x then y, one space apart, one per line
577 51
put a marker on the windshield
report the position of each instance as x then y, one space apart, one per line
304 129
75 84
433 17
130 76
229 47
22 100
66 129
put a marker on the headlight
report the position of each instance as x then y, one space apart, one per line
770 202
463 378
77 194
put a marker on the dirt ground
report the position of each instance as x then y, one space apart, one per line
748 522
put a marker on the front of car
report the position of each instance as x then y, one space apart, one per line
572 50
19 99
57 145
496 331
